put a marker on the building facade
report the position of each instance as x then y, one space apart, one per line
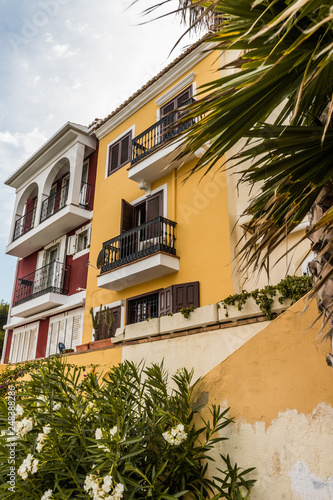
50 236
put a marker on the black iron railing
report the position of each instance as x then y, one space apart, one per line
54 203
158 134
157 235
53 277
85 194
24 223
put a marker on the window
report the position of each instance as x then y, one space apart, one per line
162 302
119 153
79 242
85 187
169 112
24 343
135 215
65 328
143 308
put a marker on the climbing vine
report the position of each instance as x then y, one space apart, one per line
290 288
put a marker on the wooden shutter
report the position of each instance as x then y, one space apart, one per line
114 157
103 331
127 220
185 295
154 206
125 149
183 97
165 301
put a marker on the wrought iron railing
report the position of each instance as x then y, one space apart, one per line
54 203
85 194
157 235
158 134
53 277
24 223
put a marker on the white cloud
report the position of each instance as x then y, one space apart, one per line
9 138
62 50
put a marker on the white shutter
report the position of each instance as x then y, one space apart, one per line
89 236
53 338
61 333
25 344
20 346
76 331
14 347
71 245
68 332
32 343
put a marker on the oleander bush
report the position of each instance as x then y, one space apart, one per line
122 435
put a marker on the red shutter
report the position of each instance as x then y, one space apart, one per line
127 220
185 295
154 206
165 301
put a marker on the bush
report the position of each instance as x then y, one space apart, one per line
123 435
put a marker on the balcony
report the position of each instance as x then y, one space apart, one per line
155 150
42 289
144 253
58 216
24 224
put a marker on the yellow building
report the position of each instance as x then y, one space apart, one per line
162 244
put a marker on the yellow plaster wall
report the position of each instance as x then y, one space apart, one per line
280 391
199 208
105 358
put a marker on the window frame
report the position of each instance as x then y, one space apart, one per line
129 132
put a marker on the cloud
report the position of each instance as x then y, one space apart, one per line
62 50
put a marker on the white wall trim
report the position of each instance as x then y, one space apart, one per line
176 89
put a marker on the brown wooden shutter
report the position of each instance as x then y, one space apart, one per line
114 156
154 206
103 331
165 301
127 220
185 295
185 96
125 149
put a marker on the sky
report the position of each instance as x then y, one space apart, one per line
68 60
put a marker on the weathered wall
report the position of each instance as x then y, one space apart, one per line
280 391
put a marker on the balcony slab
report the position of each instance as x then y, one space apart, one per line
39 304
146 269
60 223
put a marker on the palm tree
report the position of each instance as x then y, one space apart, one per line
284 69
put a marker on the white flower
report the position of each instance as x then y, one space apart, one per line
47 495
113 431
19 410
176 435
98 434
29 464
23 427
46 429
56 407
99 489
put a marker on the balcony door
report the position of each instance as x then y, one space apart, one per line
136 216
52 273
170 114
83 202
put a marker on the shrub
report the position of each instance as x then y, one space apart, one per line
121 435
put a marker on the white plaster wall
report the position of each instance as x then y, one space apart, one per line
202 351
293 456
